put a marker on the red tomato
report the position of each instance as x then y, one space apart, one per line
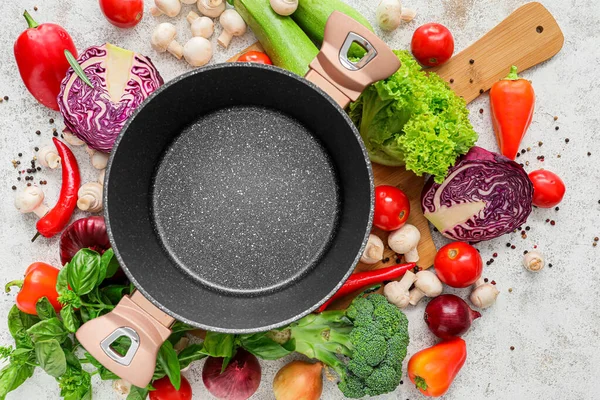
123 13
458 264
432 44
391 208
255 56
166 391
548 188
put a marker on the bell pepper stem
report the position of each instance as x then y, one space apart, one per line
9 285
77 68
512 75
37 235
420 383
30 21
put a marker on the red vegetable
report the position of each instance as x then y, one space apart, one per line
40 281
123 13
39 52
255 56
548 188
299 380
448 316
458 264
166 391
58 217
361 280
392 208
240 379
88 233
432 44
512 100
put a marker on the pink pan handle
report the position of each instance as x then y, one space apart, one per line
341 78
140 321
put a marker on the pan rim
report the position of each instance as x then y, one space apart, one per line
113 153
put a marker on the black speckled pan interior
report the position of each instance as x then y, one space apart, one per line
239 197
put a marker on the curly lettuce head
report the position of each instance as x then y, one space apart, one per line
413 119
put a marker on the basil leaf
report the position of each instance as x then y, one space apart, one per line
75 384
136 393
167 359
72 360
51 357
13 376
20 351
110 264
106 375
18 323
48 329
179 330
44 309
83 271
114 293
69 318
92 360
219 344
190 354
263 346
61 281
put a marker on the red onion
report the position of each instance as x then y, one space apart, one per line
240 379
87 232
448 316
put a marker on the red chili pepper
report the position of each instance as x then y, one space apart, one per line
40 55
512 102
40 281
57 218
360 280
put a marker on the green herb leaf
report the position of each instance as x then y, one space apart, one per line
84 271
219 344
77 68
48 329
137 393
18 323
72 360
13 376
69 318
167 359
51 357
75 384
61 281
110 264
179 329
44 309
114 293
88 313
190 354
263 347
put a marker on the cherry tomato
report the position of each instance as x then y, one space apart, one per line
548 188
432 44
255 56
123 13
166 391
391 208
458 264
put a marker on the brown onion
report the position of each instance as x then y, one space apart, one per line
299 380
240 379
448 316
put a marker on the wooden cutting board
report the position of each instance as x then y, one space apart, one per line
527 37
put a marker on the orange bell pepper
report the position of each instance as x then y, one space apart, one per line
40 281
512 102
432 370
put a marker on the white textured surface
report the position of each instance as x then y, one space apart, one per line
551 318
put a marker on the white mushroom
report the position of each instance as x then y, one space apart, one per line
405 241
284 7
397 292
483 294
168 7
121 387
200 26
211 8
71 138
98 159
31 199
533 261
427 284
188 1
233 25
90 197
197 51
101 177
390 13
373 250
48 157
163 39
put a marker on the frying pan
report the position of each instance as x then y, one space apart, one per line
238 198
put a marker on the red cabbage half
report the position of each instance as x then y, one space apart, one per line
121 80
484 195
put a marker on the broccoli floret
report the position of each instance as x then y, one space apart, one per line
360 368
352 386
383 380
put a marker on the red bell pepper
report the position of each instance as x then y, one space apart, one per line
512 102
40 56
40 281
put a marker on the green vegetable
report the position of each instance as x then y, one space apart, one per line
44 309
312 15
51 357
413 119
283 40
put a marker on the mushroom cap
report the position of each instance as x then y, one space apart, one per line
484 296
389 14
284 7
396 294
30 198
211 8
197 51
428 283
404 239
170 7
232 22
203 27
162 36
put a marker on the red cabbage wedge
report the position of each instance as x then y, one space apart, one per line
120 81
484 196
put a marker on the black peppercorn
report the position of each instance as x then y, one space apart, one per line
549 265
512 347
525 252
567 140
55 134
485 280
471 80
39 168
14 188
451 80
20 154
471 61
481 91
523 151
51 120
487 263
527 228
556 208
38 132
36 148
556 128
589 154
507 244
6 98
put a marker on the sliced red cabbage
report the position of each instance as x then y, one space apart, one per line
484 195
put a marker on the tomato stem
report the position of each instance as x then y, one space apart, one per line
30 21
17 283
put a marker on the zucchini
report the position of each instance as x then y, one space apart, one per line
312 15
285 43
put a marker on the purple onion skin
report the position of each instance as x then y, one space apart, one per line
448 316
87 232
240 379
